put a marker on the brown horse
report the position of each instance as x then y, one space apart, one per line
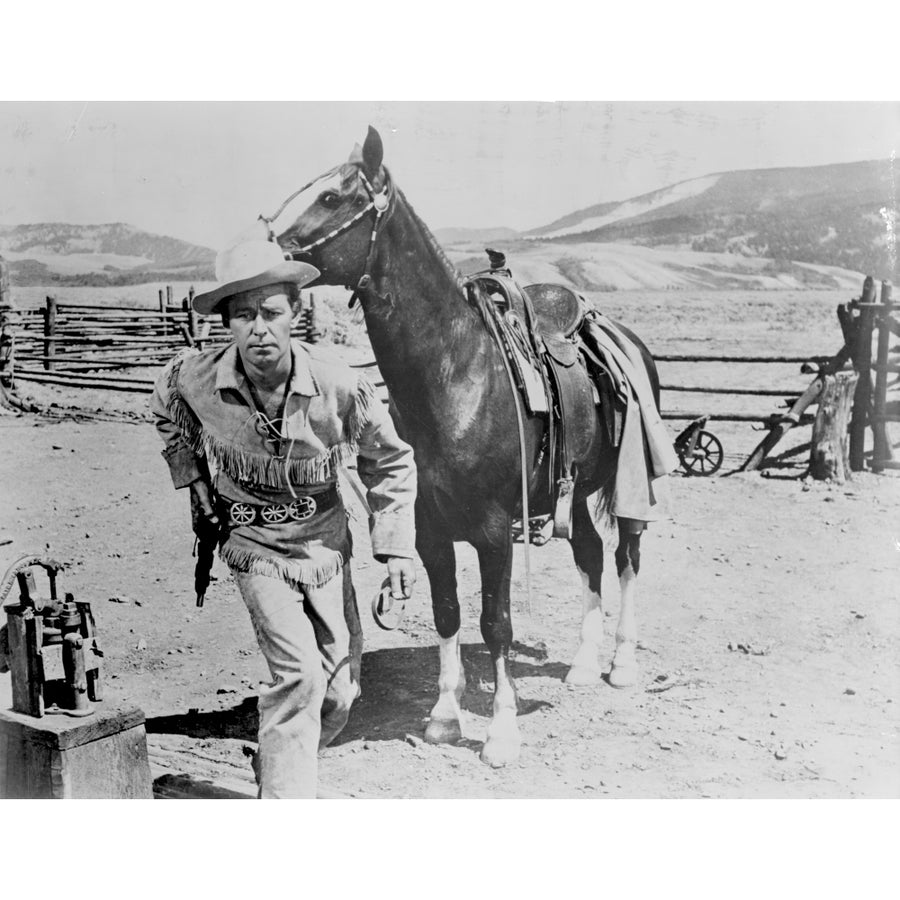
452 401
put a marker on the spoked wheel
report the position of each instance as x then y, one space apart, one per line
707 456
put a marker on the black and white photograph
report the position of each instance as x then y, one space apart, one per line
269 413
449 449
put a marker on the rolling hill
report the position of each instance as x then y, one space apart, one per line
817 227
57 252
820 226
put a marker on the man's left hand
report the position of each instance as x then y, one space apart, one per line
402 573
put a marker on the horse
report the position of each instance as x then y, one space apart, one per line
450 398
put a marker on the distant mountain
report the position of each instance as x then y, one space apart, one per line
840 215
57 252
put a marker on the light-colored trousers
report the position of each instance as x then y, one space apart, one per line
312 642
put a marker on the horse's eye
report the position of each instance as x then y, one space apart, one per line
329 199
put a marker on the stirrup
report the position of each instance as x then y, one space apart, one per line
562 517
539 531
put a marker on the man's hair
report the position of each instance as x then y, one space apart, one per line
292 290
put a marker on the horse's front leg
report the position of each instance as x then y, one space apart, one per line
495 560
624 671
445 724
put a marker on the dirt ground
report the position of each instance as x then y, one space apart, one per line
768 614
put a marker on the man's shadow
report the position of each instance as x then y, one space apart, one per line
399 687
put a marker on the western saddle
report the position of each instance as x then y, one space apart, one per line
538 327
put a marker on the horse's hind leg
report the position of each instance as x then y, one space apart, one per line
624 672
587 548
444 726
495 560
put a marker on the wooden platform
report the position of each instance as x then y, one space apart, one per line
101 756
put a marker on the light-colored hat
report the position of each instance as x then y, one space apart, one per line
248 265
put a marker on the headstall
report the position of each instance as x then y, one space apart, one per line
378 200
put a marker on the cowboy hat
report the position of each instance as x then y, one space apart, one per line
249 265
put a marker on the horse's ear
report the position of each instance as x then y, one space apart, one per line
373 152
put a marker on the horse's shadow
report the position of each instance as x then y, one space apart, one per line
399 689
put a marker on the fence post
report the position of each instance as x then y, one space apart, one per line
49 332
881 448
163 309
828 456
862 362
7 334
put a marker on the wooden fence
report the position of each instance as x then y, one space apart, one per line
82 345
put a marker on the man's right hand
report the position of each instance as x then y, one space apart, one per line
203 510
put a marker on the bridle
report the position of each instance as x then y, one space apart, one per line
379 201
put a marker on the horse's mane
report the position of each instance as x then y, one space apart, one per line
431 239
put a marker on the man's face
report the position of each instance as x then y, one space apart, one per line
260 321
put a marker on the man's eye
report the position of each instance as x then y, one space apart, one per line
329 199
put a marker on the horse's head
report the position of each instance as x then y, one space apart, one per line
335 232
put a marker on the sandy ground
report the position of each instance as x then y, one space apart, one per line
768 616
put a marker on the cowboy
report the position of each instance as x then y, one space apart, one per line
277 418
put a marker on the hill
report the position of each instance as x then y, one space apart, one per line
841 215
110 254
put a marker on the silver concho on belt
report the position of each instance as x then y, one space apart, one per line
298 511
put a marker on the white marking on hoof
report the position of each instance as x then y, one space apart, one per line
443 731
624 672
501 748
623 676
582 676
586 668
503 742
445 726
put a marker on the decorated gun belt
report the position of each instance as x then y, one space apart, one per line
299 510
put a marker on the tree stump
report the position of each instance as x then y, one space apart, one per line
829 457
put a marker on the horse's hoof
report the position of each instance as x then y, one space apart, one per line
443 731
582 676
623 676
497 753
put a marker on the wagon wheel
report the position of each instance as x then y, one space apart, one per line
707 456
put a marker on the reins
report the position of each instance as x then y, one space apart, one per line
487 314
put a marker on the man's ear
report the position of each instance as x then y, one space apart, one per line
372 154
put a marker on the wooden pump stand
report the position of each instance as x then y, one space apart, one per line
102 757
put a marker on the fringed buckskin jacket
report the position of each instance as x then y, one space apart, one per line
203 407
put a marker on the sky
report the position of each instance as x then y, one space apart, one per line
203 171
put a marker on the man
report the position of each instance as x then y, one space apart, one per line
277 417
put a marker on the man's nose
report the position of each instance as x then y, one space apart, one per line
259 324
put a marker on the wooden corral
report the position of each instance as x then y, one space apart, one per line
843 389
80 345
97 346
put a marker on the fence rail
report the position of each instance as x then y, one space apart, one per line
68 340
82 345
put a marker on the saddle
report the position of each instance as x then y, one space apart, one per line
539 325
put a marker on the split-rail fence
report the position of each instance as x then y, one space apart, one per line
101 346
